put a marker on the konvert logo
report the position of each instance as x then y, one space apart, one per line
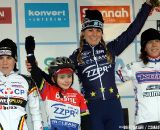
5 15
111 14
46 15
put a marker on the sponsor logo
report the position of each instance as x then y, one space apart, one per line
63 111
10 91
151 94
47 62
95 73
66 98
148 77
64 123
5 15
5 52
5 101
2 107
153 87
43 15
111 14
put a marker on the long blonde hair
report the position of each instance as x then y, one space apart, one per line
102 42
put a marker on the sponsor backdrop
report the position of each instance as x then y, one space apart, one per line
56 26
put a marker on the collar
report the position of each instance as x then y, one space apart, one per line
86 46
151 59
1 74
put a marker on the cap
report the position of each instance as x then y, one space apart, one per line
93 19
8 47
149 34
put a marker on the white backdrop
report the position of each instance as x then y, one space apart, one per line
56 25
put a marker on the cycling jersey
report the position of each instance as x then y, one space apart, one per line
64 108
146 80
15 91
63 112
95 73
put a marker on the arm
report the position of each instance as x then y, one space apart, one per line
125 74
37 74
34 107
85 116
120 43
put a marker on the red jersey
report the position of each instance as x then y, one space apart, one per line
63 112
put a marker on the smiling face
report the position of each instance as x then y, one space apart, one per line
153 48
64 81
93 35
7 64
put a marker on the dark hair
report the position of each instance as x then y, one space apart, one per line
149 34
144 56
146 36
8 45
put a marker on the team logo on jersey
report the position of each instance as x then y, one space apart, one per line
8 91
63 111
153 87
152 91
92 72
72 125
151 76
11 91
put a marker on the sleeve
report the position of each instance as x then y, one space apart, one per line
73 56
125 73
85 116
34 106
37 74
83 107
118 45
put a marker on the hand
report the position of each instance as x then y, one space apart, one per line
154 3
30 45
28 66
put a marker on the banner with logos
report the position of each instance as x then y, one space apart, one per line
56 27
50 18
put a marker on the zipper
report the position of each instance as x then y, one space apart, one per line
95 59
8 101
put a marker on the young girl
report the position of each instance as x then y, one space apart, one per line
64 105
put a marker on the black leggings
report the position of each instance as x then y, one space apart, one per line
106 114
